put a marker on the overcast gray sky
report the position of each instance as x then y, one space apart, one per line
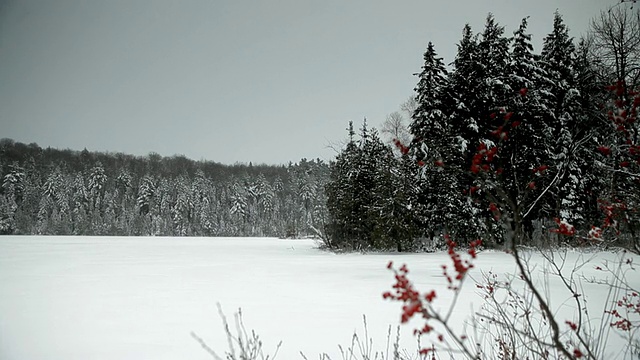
229 81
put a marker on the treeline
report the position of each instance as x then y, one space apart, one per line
65 192
503 139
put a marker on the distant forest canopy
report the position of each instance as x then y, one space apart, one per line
65 192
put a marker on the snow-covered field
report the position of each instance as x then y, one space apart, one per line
140 298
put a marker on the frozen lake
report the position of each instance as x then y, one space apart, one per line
140 298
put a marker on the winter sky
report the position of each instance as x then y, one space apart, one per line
229 80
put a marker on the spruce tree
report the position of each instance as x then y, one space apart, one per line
464 89
340 190
368 198
428 118
566 115
529 136
432 140
467 111
558 61
493 54
381 223
587 126
364 175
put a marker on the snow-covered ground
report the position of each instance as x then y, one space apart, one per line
140 298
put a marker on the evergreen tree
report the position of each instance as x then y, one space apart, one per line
8 209
380 161
80 205
368 205
587 126
239 208
530 137
428 122
96 186
493 56
397 189
466 109
182 210
432 144
202 191
464 89
11 196
364 175
146 192
558 57
558 53
342 203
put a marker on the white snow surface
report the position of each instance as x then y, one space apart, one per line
140 298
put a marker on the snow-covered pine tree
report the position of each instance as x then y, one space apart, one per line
146 191
558 53
432 147
202 191
380 219
11 196
96 186
145 201
80 206
427 121
369 196
265 205
52 203
279 206
493 56
466 107
588 127
182 209
342 204
558 61
395 198
364 174
161 220
464 88
566 117
124 200
239 209
530 141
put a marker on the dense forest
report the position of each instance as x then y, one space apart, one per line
504 140
65 192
